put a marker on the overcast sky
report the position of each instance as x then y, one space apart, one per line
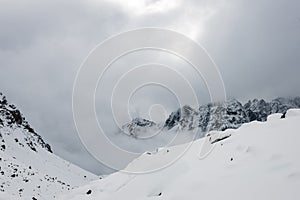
256 45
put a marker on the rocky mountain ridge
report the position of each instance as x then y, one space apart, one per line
11 117
219 116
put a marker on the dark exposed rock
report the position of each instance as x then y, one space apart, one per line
220 139
11 117
89 192
48 147
186 117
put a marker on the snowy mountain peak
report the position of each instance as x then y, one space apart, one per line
140 127
230 114
11 117
28 168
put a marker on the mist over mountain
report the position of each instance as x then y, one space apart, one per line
256 161
216 116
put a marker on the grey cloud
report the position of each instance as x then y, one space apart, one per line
256 45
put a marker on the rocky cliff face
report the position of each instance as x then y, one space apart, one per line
11 117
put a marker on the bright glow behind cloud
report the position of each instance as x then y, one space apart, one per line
188 18
144 7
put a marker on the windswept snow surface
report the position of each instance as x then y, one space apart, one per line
260 160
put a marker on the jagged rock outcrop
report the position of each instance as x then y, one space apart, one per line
11 117
186 117
259 109
139 126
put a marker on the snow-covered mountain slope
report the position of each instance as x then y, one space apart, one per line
260 160
28 168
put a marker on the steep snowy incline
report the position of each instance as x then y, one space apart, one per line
28 168
260 160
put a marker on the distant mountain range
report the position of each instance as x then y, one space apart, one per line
216 116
